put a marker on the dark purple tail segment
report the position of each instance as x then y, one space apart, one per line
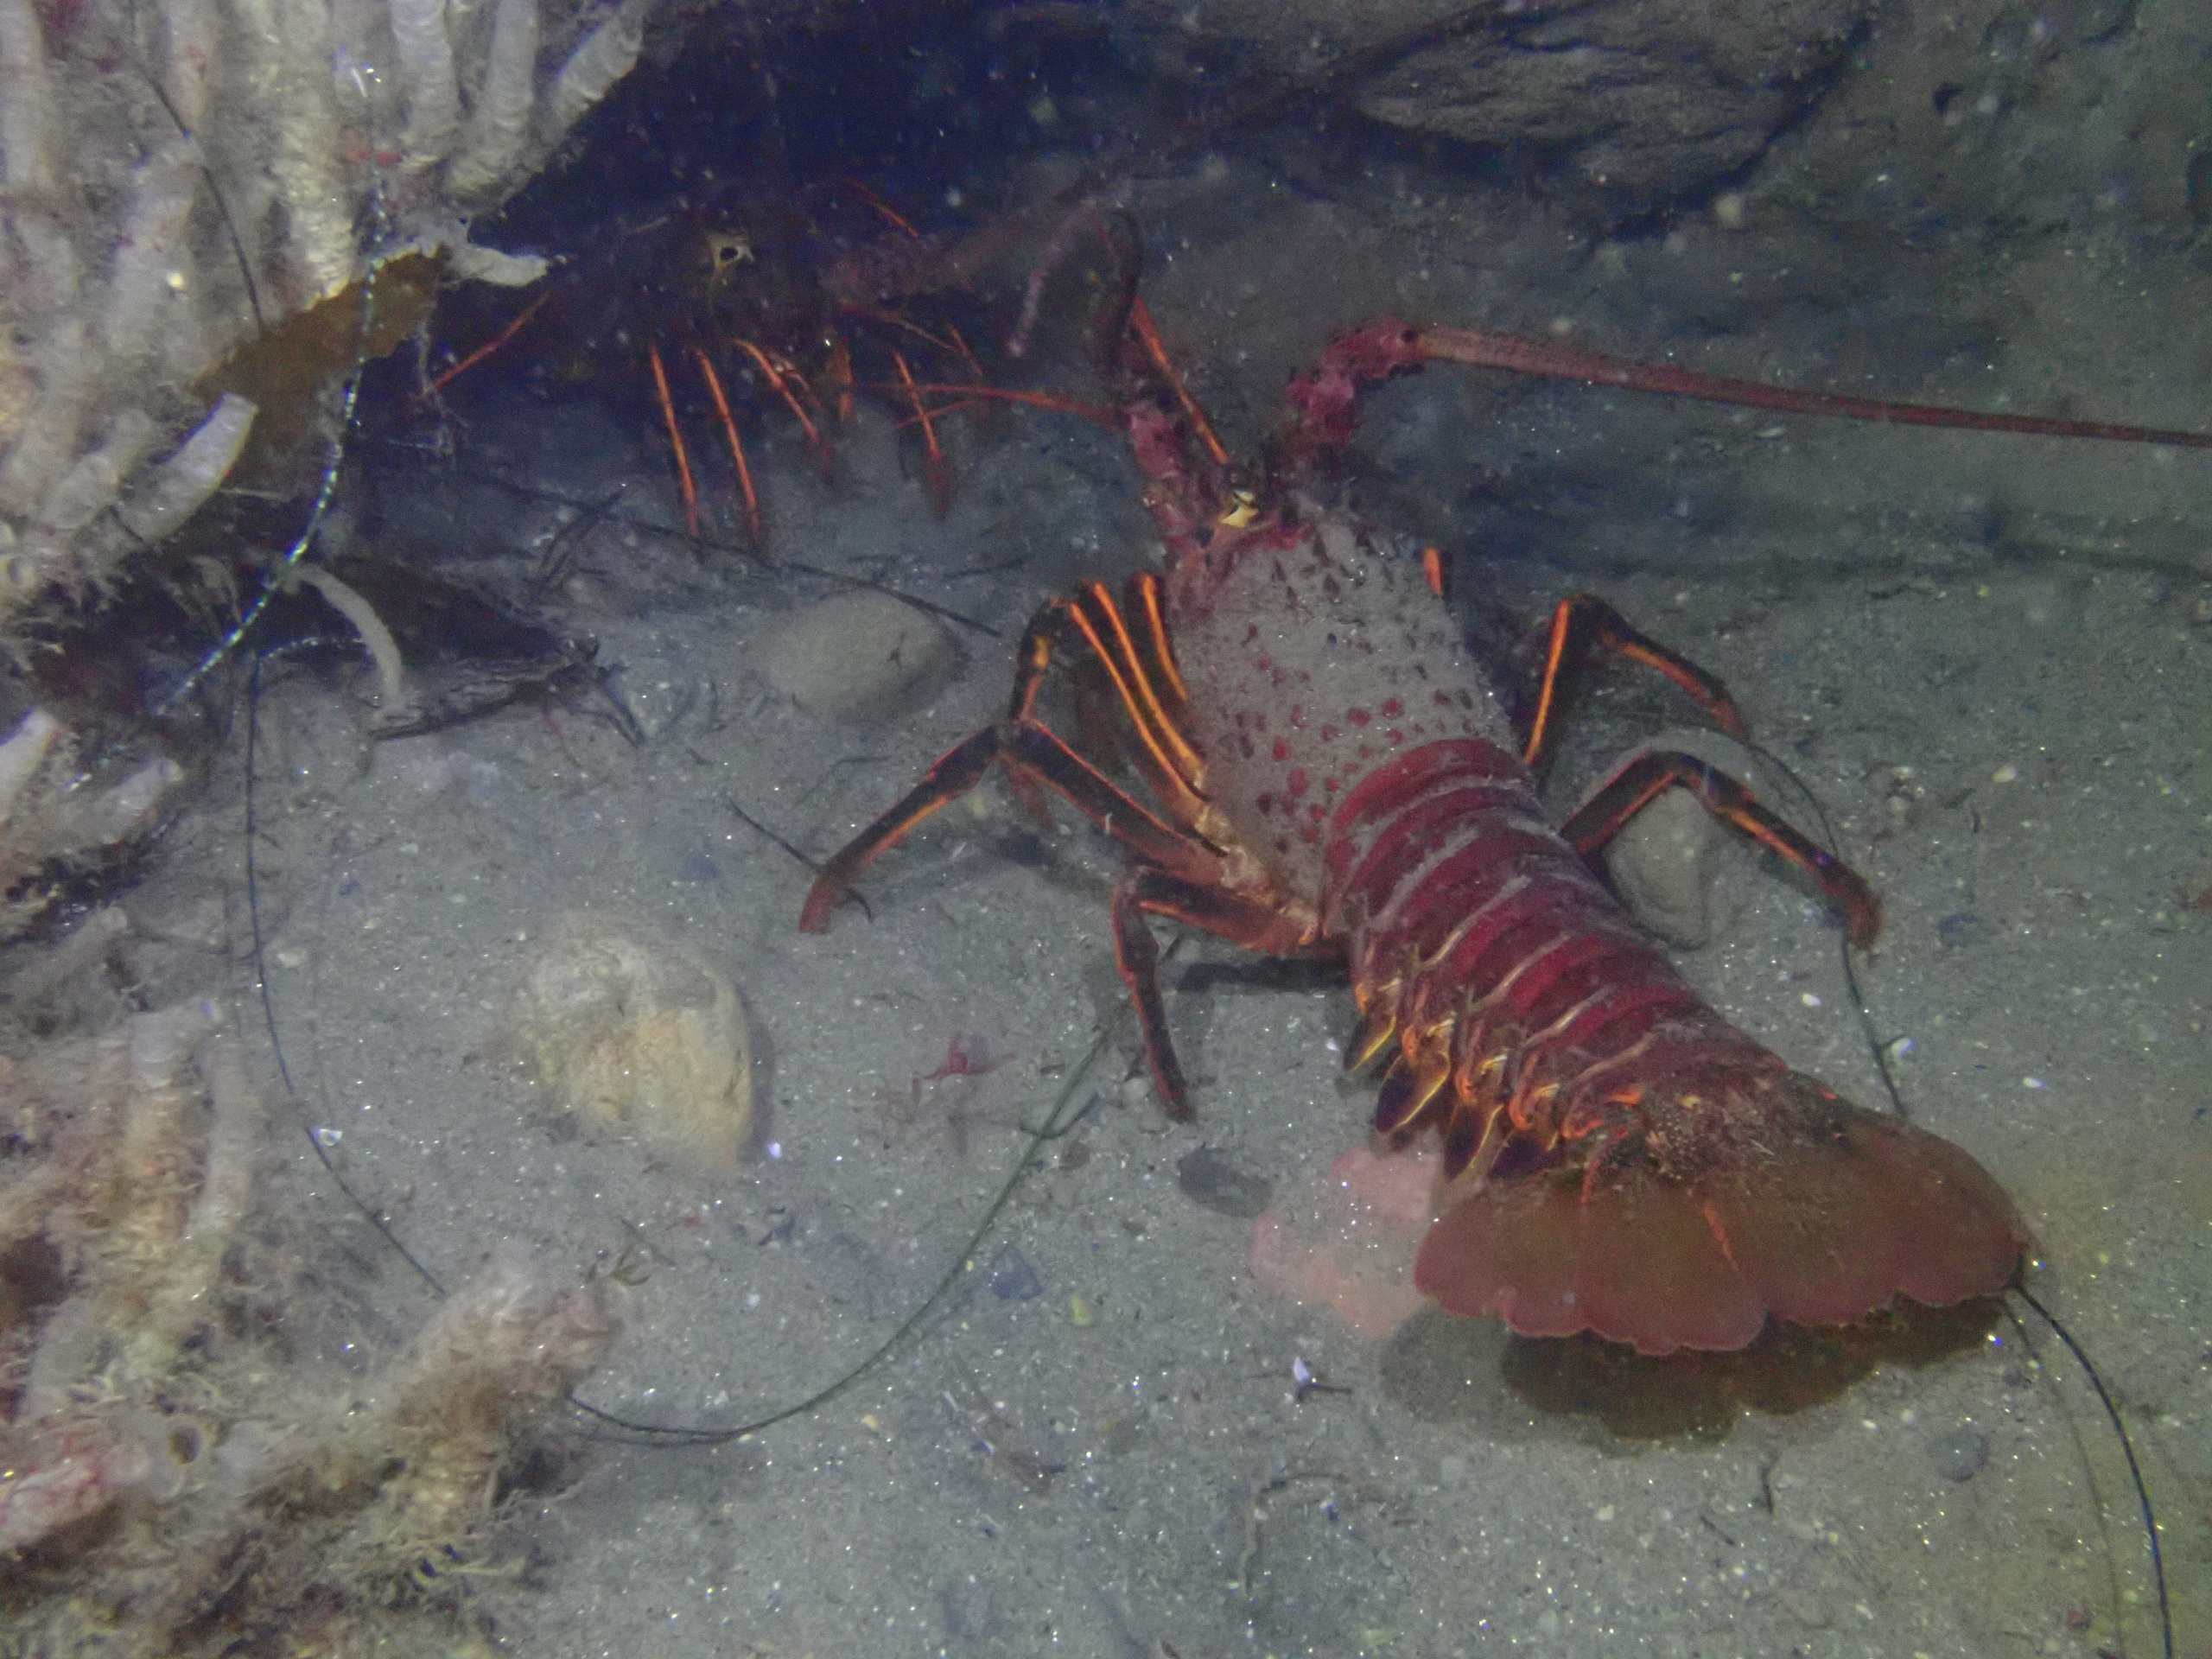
1626 1161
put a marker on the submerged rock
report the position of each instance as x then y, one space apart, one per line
859 656
639 1034
1212 1177
1661 863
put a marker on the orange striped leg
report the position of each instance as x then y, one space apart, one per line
784 377
1136 955
936 474
676 437
1026 747
1633 787
736 448
1582 620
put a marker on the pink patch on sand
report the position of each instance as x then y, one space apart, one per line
1350 1246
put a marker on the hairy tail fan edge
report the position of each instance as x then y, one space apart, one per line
1815 1211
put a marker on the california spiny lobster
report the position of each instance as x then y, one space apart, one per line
1335 775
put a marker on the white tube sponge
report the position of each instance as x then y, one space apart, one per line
235 1138
383 649
190 25
187 478
607 54
64 363
22 754
467 262
144 323
418 30
26 100
498 126
29 137
88 488
318 201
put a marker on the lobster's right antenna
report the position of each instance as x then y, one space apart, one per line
2127 1446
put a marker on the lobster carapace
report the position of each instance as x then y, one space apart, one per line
1334 773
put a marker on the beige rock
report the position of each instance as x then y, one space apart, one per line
861 655
640 1036
1661 865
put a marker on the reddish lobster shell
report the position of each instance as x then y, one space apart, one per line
1334 775
1623 1161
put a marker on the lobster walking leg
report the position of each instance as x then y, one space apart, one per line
1181 874
1632 789
956 772
676 440
1027 747
1032 754
1256 926
1582 620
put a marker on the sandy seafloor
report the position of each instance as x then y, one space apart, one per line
1991 657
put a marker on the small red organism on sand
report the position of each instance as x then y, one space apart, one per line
964 1057
948 1092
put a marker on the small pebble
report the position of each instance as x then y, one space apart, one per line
1960 929
1013 1280
1960 1455
1209 1176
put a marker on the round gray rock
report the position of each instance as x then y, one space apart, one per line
1661 865
861 655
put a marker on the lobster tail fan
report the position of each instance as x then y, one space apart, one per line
1825 1214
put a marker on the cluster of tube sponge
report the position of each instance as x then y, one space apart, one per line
177 178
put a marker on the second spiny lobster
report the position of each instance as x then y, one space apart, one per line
1332 772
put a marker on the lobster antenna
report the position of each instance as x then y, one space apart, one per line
208 175
1875 1046
2081 1355
326 492
2127 1446
1058 1120
376 1218
335 462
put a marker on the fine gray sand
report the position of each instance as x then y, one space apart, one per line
1989 657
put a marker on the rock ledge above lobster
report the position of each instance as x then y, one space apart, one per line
1330 773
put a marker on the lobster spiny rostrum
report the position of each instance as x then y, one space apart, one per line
1332 773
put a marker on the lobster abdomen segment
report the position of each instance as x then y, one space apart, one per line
1627 1162
1827 1214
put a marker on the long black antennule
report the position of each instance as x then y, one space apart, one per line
376 1218
2088 1370
2127 1445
